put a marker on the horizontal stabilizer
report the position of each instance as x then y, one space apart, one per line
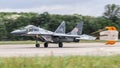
86 37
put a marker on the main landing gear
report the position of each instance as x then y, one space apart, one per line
60 44
46 44
37 45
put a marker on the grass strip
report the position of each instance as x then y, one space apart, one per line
61 62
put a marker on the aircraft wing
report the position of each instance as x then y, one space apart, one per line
50 33
40 33
65 35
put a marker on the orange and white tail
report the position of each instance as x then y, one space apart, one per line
112 35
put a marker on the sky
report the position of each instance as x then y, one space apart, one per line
83 7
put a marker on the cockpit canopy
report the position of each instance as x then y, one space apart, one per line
31 28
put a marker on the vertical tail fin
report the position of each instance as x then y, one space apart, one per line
61 28
78 29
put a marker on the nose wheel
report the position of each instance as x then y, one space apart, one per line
37 45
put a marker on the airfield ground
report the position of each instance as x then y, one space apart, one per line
97 48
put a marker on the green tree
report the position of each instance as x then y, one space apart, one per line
112 12
2 31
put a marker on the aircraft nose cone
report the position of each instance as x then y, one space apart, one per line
14 32
18 32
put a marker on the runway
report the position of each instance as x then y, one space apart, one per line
68 49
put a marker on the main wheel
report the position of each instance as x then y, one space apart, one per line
45 44
60 44
37 45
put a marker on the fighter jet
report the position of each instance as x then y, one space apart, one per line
59 36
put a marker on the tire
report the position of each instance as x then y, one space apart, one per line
37 45
60 44
46 45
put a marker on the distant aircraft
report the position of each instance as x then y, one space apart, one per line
59 36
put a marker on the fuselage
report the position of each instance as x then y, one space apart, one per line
45 35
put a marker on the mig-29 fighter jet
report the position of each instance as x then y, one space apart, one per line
59 36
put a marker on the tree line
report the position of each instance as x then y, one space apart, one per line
10 21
